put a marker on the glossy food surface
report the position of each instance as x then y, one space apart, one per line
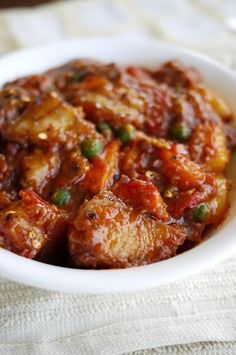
110 167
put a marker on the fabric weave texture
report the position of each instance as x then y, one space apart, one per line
192 316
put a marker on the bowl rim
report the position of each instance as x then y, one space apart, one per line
37 274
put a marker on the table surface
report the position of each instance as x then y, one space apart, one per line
16 3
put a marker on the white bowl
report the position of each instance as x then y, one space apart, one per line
220 245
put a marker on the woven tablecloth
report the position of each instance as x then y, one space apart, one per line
193 316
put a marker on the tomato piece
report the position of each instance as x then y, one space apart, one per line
182 201
180 171
141 194
103 168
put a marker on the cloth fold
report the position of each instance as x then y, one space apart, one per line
199 309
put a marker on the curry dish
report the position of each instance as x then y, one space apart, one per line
109 167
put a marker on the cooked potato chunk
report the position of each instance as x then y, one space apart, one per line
13 101
84 177
208 146
180 171
119 166
118 96
39 168
219 204
50 121
217 103
27 225
108 233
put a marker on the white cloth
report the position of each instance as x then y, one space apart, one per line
199 309
193 316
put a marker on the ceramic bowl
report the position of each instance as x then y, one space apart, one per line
218 246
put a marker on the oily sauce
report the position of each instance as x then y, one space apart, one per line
110 167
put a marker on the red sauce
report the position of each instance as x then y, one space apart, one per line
109 167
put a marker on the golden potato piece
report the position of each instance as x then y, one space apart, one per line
50 121
109 234
219 204
208 146
27 225
180 171
115 95
83 177
39 168
217 103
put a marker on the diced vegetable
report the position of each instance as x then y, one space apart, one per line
120 236
27 225
141 194
201 213
180 171
102 126
208 146
105 167
80 75
126 133
91 147
180 131
219 204
61 197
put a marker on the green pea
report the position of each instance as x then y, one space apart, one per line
201 213
80 75
126 133
61 197
102 126
180 131
91 147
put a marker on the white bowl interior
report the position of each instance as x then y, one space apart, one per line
222 242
